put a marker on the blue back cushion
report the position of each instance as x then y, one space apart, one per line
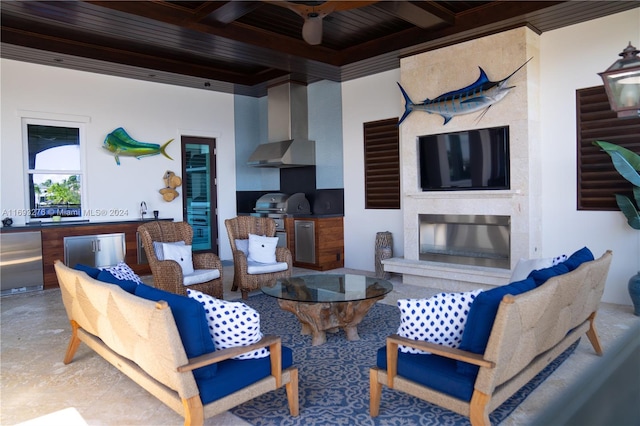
191 323
90 270
540 276
480 320
436 372
235 374
127 285
578 258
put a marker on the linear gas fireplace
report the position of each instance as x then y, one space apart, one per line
479 240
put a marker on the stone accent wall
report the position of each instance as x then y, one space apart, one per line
430 74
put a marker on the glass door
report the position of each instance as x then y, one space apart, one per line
200 193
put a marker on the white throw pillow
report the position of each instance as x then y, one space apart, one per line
231 324
439 319
200 276
525 266
256 268
262 249
243 246
122 271
157 247
181 254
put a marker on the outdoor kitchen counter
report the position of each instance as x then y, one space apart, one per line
53 235
38 226
317 216
305 216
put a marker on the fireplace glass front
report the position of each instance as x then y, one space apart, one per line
479 240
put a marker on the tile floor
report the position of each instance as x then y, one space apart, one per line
35 382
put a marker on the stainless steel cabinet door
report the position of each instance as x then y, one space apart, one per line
110 249
20 262
305 236
79 250
94 250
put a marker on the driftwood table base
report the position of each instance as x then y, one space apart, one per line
319 318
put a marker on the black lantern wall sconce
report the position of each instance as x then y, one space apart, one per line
622 83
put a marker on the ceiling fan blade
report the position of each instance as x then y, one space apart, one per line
312 30
313 14
301 9
340 5
322 9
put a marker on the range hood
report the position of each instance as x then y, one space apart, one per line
288 129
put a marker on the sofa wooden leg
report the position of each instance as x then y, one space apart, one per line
478 412
74 343
375 391
193 411
592 334
292 393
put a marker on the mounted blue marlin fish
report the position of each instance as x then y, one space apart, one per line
120 143
480 95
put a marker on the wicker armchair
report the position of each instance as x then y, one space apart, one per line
239 228
167 274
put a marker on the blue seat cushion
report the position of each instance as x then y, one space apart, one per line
578 258
480 320
540 276
191 323
236 374
436 372
127 285
90 270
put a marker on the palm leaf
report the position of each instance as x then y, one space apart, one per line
632 157
624 167
626 206
627 163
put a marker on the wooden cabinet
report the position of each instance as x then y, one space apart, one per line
53 245
328 250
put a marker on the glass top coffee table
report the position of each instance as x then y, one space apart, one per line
327 302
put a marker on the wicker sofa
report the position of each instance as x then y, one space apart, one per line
530 330
142 338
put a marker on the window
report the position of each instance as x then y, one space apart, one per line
54 169
382 164
598 180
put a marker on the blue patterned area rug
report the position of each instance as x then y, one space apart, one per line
334 377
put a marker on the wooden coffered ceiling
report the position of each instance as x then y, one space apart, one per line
243 46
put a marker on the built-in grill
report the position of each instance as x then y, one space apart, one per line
278 206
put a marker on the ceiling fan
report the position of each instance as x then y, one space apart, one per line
313 12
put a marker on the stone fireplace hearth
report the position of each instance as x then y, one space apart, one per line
428 75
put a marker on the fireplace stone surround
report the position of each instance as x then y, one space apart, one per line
429 74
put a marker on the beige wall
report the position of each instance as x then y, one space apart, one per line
150 112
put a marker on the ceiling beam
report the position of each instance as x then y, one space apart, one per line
483 20
215 14
135 57
414 14
174 14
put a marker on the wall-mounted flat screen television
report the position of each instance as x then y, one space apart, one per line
468 160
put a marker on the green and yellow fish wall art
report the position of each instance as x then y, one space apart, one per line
120 143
